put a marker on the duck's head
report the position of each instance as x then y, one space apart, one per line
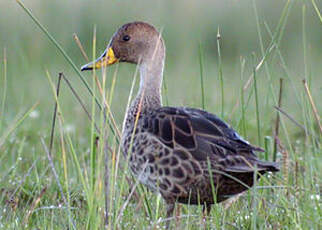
136 42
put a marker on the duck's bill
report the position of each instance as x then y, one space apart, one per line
106 59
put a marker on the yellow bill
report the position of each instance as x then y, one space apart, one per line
106 59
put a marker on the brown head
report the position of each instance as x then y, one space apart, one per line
135 42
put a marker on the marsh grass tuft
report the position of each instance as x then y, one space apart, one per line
85 182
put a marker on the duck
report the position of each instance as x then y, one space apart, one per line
187 155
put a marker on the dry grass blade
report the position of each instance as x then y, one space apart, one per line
63 52
106 182
290 118
232 200
130 195
315 111
23 180
79 101
55 114
107 107
258 66
277 122
285 160
34 205
178 213
52 166
296 175
79 44
273 44
251 77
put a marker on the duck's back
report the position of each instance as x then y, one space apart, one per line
181 152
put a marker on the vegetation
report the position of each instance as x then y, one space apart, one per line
257 64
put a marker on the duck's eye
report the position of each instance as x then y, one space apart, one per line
126 38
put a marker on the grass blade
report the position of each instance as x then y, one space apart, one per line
220 73
315 111
54 116
15 125
4 95
317 10
201 76
277 121
257 107
54 41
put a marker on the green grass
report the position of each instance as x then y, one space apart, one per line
83 182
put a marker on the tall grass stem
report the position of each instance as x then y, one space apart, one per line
220 74
257 107
242 96
52 131
4 94
315 111
201 76
277 121
317 10
304 41
54 41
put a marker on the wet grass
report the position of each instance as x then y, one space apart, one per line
82 180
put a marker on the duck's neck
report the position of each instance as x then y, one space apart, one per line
150 83
149 94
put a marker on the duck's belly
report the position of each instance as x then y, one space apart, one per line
144 153
171 172
175 173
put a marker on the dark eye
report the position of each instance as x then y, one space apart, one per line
126 38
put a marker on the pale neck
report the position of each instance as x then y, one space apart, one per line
151 73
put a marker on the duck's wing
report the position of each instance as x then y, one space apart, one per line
205 136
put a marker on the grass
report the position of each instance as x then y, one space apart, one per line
82 181
220 74
202 88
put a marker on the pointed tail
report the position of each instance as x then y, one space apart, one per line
267 166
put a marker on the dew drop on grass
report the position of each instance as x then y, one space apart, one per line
69 128
34 114
315 197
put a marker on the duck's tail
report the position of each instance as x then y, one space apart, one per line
266 166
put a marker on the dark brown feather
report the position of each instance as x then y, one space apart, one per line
196 130
196 137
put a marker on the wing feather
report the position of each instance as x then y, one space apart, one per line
205 136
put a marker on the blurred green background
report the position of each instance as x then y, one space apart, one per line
185 25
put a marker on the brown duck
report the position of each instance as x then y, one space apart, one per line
187 155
